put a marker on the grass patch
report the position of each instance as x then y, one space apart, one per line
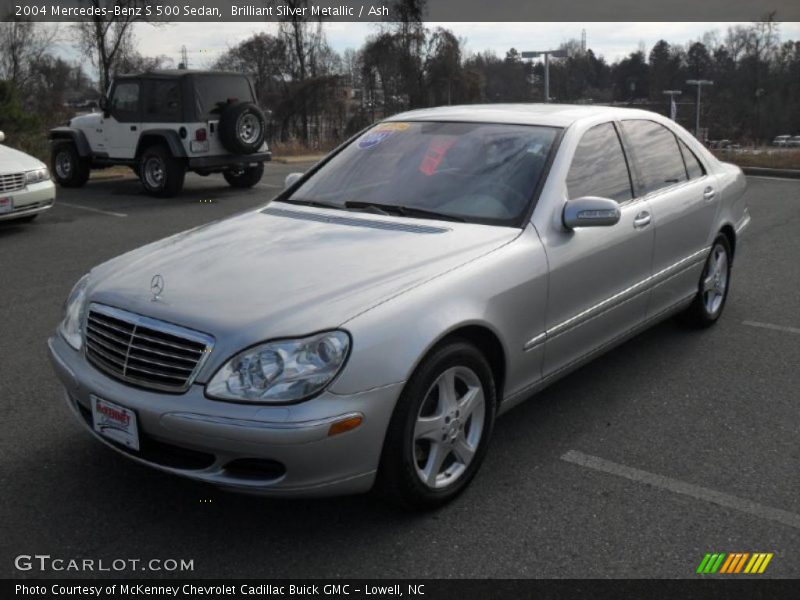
769 158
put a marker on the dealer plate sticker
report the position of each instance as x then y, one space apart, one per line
6 204
115 422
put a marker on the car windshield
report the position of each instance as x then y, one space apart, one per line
478 172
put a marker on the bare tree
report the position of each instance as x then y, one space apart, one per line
21 46
303 38
105 39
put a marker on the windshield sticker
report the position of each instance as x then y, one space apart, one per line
380 133
436 152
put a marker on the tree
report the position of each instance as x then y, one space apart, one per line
443 73
106 39
22 44
631 77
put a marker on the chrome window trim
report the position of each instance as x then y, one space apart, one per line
157 325
616 299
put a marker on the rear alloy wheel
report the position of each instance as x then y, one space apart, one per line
246 177
440 429
161 174
69 169
709 302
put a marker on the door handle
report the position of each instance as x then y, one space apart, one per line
709 193
642 219
133 127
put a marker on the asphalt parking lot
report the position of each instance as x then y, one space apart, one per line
676 444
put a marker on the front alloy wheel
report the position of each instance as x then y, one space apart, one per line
440 428
449 427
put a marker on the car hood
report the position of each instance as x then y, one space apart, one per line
14 161
286 270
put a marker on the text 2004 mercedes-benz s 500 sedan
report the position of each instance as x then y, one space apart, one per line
367 326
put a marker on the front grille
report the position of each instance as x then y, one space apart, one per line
142 351
11 182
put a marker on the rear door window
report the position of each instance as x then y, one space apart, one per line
599 167
162 101
657 154
694 167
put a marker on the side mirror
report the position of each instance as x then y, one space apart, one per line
590 211
2 137
103 104
291 179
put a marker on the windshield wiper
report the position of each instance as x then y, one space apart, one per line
404 211
317 203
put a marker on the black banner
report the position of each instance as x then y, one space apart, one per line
216 11
423 589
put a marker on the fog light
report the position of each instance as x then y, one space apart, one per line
346 424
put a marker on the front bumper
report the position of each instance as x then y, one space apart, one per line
31 200
198 438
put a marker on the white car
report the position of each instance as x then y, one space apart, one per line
25 186
781 141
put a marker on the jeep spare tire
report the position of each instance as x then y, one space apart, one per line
242 127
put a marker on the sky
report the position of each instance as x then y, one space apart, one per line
205 43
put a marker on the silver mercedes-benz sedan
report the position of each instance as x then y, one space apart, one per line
366 327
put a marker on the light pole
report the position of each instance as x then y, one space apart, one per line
673 109
547 54
699 83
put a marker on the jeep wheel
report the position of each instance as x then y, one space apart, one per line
242 127
161 174
244 178
69 169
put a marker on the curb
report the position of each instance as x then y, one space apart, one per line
786 173
288 160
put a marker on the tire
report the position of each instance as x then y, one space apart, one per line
712 292
68 167
425 426
161 173
242 127
246 178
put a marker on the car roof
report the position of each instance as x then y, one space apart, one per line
172 73
554 115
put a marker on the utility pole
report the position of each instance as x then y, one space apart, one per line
699 83
547 54
673 110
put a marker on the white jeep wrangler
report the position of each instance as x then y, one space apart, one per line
164 123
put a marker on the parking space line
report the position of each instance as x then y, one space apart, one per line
681 487
771 326
89 208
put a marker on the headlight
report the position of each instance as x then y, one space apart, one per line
37 176
282 371
71 325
